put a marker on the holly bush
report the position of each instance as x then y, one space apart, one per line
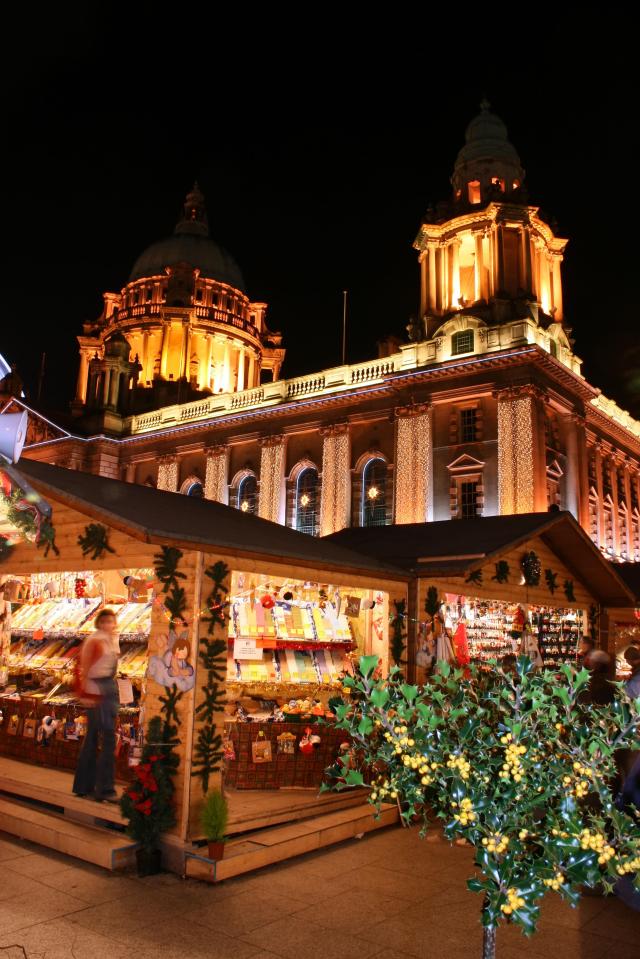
148 802
513 763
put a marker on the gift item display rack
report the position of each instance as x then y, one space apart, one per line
47 618
559 633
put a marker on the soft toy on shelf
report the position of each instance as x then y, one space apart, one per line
46 729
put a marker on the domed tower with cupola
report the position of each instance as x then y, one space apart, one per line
181 329
487 258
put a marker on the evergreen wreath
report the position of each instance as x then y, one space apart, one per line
95 540
148 802
166 566
208 752
502 571
25 517
551 579
531 568
398 636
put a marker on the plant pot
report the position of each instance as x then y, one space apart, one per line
216 850
148 861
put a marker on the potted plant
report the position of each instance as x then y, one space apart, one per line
148 802
214 818
514 764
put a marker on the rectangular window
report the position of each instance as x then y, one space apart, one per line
468 506
469 425
198 296
149 295
462 342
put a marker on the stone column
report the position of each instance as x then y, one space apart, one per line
519 464
81 388
500 281
335 493
185 372
168 473
145 357
251 376
130 473
600 489
433 282
424 283
613 465
525 259
557 287
455 274
479 269
106 385
271 494
164 349
226 367
241 384
209 351
113 388
577 468
413 463
216 481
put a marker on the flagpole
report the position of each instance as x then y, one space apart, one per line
344 327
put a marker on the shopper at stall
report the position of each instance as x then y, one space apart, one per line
599 692
98 691
585 651
632 685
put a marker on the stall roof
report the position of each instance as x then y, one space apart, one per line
157 516
630 573
457 547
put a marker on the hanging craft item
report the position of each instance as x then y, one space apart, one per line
80 587
171 663
502 571
30 727
228 749
95 540
46 729
267 601
286 744
531 569
14 725
461 644
551 580
306 744
261 749
352 606
568 590
517 624
82 724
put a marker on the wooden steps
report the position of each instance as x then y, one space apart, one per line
254 810
284 842
104 847
53 787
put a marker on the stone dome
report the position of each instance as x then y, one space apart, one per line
487 138
190 244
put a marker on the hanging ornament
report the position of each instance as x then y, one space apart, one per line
531 569
80 587
267 601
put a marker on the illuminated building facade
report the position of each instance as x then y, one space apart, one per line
484 411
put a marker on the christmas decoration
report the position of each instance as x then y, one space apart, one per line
148 802
432 604
502 571
551 580
95 540
166 566
208 749
513 764
80 587
26 517
267 601
475 577
568 590
531 568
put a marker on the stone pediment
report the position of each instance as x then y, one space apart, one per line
40 429
465 463
554 469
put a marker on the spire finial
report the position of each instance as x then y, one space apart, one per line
485 106
194 217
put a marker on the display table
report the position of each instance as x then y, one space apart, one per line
284 768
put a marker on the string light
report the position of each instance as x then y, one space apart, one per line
244 505
413 464
305 500
271 478
372 492
515 452
168 474
215 481
336 479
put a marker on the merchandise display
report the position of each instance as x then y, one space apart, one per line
494 629
44 621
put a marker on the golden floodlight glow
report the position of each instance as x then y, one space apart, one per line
372 492
304 499
244 505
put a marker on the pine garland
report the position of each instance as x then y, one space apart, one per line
208 752
397 639
432 603
24 519
166 566
551 580
95 540
502 571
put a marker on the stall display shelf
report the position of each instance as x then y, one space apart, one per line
288 621
281 690
559 635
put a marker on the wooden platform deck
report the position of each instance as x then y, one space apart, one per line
267 846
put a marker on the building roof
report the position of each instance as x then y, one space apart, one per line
630 573
457 547
190 244
156 516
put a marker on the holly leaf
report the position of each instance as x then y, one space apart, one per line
368 664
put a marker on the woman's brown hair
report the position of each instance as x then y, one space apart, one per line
101 615
182 643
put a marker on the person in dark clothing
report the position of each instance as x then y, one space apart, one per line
600 691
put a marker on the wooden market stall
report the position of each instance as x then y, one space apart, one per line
491 572
625 621
296 610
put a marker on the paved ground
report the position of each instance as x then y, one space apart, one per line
388 896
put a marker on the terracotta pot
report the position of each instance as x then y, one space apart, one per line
216 850
148 861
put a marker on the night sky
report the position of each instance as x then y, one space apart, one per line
318 154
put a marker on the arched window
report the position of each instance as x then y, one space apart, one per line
248 494
307 501
193 487
462 342
475 195
374 490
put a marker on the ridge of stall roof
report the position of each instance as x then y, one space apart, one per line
158 516
457 547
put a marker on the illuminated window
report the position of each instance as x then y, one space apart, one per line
196 489
474 191
248 494
306 501
515 185
199 296
497 181
374 493
469 425
462 342
468 496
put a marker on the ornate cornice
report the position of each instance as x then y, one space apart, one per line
412 409
334 429
276 439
